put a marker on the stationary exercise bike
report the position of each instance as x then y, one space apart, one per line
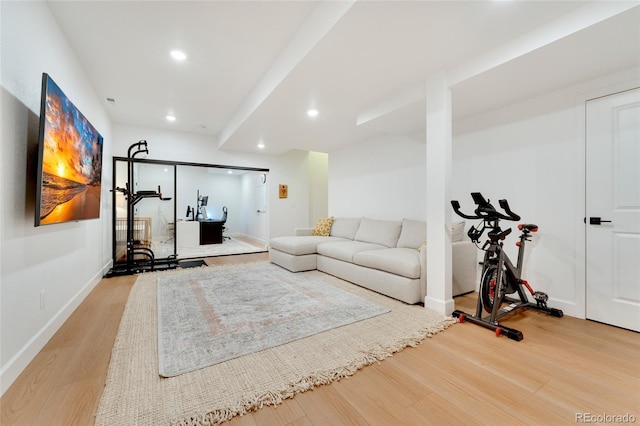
499 276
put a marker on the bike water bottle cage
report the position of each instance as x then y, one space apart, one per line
498 234
475 234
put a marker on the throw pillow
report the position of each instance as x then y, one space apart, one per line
412 233
323 227
457 231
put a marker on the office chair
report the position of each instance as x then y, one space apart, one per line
224 220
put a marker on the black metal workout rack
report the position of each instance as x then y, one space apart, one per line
138 259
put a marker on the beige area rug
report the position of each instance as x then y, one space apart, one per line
136 395
213 315
232 246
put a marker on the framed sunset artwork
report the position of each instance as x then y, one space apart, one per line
69 175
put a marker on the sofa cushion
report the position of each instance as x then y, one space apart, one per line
413 233
345 250
345 227
323 227
383 232
399 261
300 245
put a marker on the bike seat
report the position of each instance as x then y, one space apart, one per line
530 227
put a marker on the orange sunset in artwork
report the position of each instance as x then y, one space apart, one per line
71 161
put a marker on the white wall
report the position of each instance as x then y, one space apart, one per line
292 169
382 178
319 186
65 260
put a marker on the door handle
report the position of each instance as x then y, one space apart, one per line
597 221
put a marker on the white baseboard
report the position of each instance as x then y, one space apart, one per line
17 364
444 307
567 308
256 239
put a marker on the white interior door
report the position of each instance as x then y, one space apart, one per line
613 209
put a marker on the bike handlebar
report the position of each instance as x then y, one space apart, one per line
505 206
456 207
485 210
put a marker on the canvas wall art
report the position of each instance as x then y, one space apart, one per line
70 161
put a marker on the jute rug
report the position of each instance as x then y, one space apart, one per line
135 394
213 315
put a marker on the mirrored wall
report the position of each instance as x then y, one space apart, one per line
204 210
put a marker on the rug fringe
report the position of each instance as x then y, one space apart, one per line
273 398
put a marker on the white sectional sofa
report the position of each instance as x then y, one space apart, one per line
388 257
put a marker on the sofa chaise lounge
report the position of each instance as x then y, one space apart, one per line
388 257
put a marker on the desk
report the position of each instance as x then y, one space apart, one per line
193 234
188 233
211 232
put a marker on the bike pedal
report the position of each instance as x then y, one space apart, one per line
541 296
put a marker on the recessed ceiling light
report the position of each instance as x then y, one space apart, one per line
312 113
230 172
171 117
261 145
178 55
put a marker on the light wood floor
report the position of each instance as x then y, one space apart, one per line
464 375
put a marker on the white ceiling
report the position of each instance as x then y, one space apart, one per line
255 67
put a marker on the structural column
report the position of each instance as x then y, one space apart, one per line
438 120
